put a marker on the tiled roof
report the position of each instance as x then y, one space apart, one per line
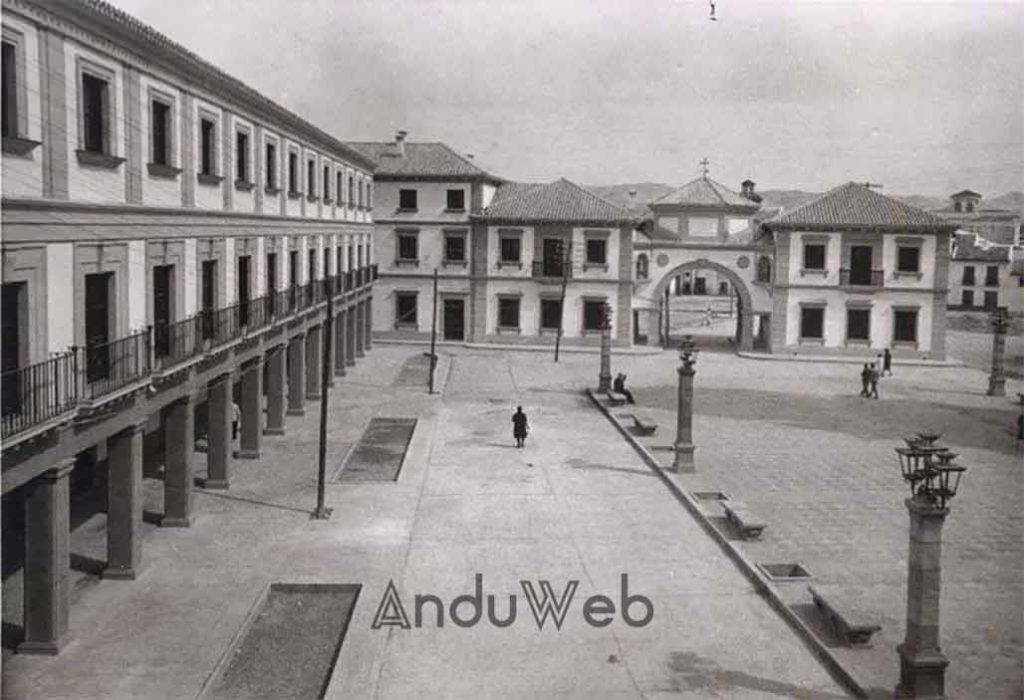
971 246
435 160
857 206
966 193
704 192
560 201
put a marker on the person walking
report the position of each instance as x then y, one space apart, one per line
873 381
619 386
236 418
865 379
520 426
887 362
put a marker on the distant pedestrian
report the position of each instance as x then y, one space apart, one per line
865 379
887 363
236 418
873 381
619 386
520 426
708 315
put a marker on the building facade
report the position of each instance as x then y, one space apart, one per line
998 226
981 275
172 243
855 271
501 251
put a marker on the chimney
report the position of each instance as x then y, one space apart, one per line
747 191
400 142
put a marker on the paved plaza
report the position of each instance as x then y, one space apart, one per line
791 439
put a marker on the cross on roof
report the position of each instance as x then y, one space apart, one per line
704 166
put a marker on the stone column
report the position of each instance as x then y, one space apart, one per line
297 375
275 391
47 561
218 438
604 377
251 430
368 336
350 336
360 328
339 343
179 432
124 510
314 361
997 376
684 420
922 664
745 328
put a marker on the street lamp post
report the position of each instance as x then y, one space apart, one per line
934 479
604 377
684 417
997 377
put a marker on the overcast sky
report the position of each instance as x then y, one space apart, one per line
923 97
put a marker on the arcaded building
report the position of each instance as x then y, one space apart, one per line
171 240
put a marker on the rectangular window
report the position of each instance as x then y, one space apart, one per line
242 156
812 323
968 279
369 195
339 187
160 124
405 308
10 90
455 247
904 325
407 200
967 297
858 324
908 259
327 183
362 199
511 249
271 166
408 246
95 100
293 173
311 178
508 312
351 192
597 251
814 256
593 314
991 300
208 146
456 200
992 276
550 314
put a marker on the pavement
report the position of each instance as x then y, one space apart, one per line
577 504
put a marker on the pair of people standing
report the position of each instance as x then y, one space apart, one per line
871 373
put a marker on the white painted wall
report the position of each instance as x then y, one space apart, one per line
60 297
159 192
23 176
136 273
833 259
190 278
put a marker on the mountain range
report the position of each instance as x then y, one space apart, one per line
787 199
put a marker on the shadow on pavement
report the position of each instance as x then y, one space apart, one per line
692 672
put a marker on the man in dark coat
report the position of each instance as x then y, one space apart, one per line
619 386
865 379
520 426
873 381
887 363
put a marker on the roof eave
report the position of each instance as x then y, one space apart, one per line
881 228
476 177
541 221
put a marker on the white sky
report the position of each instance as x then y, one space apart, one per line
924 97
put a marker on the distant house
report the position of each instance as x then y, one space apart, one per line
999 226
981 274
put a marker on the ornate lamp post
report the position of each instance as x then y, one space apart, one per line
604 377
997 377
684 418
934 481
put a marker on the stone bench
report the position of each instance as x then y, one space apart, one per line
848 621
745 521
643 424
615 398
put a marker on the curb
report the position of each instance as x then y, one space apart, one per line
761 584
634 350
850 360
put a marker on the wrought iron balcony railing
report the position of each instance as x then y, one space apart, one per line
35 394
860 278
551 269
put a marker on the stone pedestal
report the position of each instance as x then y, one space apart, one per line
275 391
997 376
922 664
368 334
604 377
252 410
684 422
314 359
124 511
297 375
339 344
47 561
218 437
360 313
179 434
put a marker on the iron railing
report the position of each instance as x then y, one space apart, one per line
551 268
35 394
177 342
111 366
860 278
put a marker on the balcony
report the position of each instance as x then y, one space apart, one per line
860 278
551 269
33 397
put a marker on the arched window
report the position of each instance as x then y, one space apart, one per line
642 266
764 269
